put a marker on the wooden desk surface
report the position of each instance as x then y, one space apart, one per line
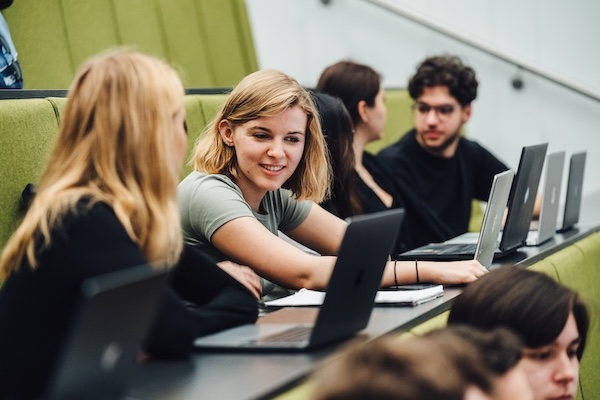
231 376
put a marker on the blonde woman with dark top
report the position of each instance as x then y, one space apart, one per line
107 201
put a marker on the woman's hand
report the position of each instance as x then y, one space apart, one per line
245 275
450 273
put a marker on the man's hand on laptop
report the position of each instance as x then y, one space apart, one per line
245 275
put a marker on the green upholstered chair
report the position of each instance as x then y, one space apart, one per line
210 104
232 49
201 110
578 267
439 321
194 116
303 391
29 129
546 267
183 28
39 35
90 27
399 119
187 33
196 122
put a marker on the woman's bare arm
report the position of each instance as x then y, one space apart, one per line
246 241
447 273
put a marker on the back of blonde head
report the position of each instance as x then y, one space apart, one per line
267 93
115 145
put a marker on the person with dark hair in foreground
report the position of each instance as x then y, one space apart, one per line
449 363
551 320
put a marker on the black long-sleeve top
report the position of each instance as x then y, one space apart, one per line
36 304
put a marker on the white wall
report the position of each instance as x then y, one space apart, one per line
302 37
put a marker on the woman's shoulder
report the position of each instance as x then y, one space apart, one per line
90 217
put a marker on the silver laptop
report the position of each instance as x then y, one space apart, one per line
520 203
349 297
483 250
99 354
574 192
545 226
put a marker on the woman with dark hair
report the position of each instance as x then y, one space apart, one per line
551 320
359 88
338 131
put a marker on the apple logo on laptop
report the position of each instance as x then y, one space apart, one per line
526 196
110 356
553 198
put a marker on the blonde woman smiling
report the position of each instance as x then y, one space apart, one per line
261 167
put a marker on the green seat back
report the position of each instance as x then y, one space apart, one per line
399 119
209 41
29 129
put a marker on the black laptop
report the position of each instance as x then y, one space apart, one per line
521 202
574 192
349 297
100 351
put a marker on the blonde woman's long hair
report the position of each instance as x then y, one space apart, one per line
268 93
115 146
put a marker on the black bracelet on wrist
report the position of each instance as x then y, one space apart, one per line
416 270
395 278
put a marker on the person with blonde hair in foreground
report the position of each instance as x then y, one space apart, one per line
107 201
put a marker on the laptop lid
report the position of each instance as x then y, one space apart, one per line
486 241
574 191
349 298
521 200
492 217
546 226
99 354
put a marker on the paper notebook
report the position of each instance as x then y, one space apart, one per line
314 298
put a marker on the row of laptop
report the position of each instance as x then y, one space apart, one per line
512 199
98 357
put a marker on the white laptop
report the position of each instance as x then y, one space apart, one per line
546 224
349 297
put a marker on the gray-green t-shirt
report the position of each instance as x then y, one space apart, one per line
208 201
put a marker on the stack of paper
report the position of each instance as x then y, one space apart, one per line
305 297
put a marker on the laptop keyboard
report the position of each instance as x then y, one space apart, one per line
465 248
292 335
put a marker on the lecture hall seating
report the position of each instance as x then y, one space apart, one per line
54 36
